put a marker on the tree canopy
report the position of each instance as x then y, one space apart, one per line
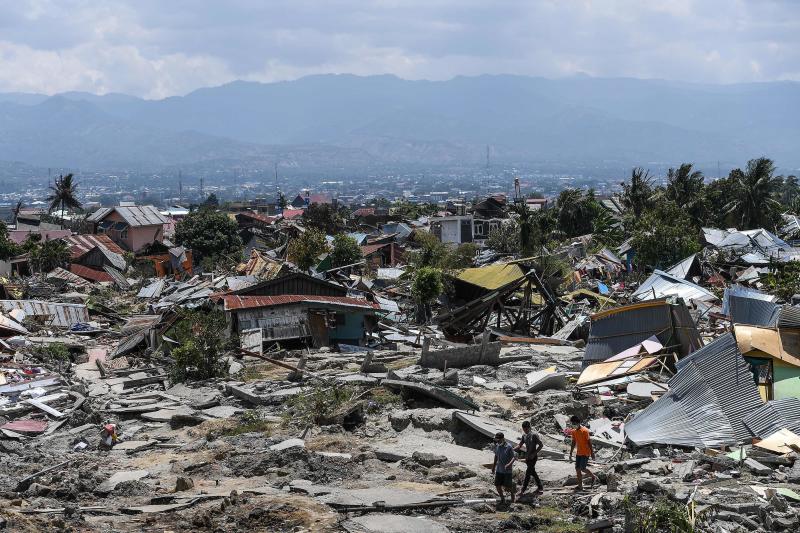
663 236
209 234
306 249
323 217
346 250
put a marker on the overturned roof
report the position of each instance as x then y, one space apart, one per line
137 215
707 402
749 306
662 284
55 314
235 302
780 344
492 277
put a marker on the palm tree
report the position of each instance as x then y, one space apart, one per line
686 187
638 194
17 209
64 195
754 190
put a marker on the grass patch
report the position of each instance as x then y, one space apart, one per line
320 405
384 398
248 422
403 363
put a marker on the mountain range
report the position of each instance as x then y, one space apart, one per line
349 121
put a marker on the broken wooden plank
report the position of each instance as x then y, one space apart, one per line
46 408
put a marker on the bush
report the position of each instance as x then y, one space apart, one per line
346 251
320 405
203 342
306 249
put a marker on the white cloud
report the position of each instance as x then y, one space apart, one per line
154 48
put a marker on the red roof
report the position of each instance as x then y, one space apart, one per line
364 212
234 302
258 216
81 244
90 273
19 235
292 213
370 249
319 199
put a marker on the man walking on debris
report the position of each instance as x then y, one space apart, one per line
501 467
583 442
530 439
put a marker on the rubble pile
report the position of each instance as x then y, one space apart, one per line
271 398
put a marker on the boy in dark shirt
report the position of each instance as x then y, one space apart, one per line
533 444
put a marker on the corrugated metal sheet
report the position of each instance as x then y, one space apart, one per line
789 317
58 314
90 273
745 292
774 416
662 284
153 290
492 277
234 302
139 215
68 276
117 277
709 398
753 312
620 328
684 268
80 244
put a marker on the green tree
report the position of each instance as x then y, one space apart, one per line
686 187
607 230
323 217
754 203
203 341
64 194
428 284
346 250
306 249
663 236
210 234
637 194
8 248
505 238
790 190
47 255
576 211
211 201
783 279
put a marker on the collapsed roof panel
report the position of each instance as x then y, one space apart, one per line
620 328
663 284
774 416
709 398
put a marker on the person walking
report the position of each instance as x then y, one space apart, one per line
504 458
582 445
533 444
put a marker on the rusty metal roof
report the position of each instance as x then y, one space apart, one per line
60 315
81 244
90 273
234 302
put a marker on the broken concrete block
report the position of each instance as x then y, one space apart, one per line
756 467
183 483
399 420
428 459
287 444
649 485
127 475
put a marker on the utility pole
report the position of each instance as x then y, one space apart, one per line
180 188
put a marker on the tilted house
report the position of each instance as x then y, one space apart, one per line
131 226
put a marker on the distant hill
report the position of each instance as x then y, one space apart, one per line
349 120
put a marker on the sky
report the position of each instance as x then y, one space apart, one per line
160 48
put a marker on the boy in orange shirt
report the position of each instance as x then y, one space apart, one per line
583 442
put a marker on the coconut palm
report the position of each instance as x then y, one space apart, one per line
686 187
637 195
754 204
64 195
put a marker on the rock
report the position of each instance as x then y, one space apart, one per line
728 516
37 489
450 474
612 482
399 420
183 483
756 467
428 459
649 485
389 455
126 475
288 443
658 468
794 473
684 471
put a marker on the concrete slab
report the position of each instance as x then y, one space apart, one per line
390 495
221 411
126 475
288 443
392 523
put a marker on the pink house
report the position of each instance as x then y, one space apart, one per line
131 226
